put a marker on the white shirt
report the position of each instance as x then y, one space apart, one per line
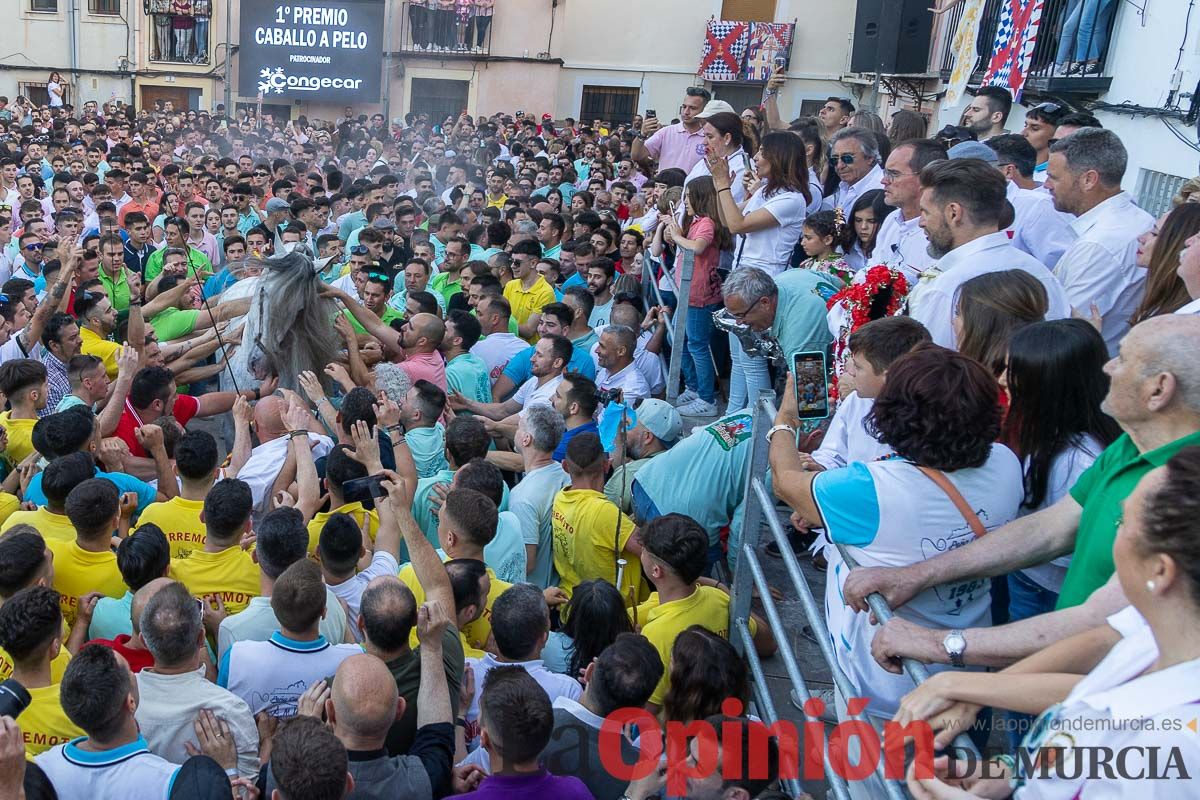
847 439
647 363
272 675
169 704
128 772
1191 308
737 169
903 246
1101 268
847 194
771 249
553 684
888 513
1065 469
351 591
1139 716
629 380
1039 229
932 301
497 350
258 623
530 394
266 461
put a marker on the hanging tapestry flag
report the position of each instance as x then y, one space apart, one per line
964 50
768 42
1012 51
724 50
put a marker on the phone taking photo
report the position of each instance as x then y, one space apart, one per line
812 384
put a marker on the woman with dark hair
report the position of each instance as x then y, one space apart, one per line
865 218
704 670
1056 383
907 125
555 198
990 307
809 130
1158 251
947 482
724 139
581 201
592 620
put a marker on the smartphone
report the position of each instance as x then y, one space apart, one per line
746 162
812 384
359 490
650 112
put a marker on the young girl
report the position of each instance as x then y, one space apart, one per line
823 236
865 218
706 237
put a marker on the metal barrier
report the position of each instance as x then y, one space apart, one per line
749 575
675 331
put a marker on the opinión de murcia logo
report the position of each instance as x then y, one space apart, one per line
277 80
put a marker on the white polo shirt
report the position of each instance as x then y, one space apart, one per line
272 675
530 394
902 245
1191 308
847 439
128 772
889 514
1038 228
1101 266
629 380
1139 716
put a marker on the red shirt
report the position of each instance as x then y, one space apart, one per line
184 409
138 659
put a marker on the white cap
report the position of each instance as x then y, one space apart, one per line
715 107
660 418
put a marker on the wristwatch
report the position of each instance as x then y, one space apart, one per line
776 429
955 644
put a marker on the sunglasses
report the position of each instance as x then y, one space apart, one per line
1049 108
261 174
35 246
379 276
359 250
5 207
845 158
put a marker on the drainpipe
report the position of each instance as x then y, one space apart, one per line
228 59
73 39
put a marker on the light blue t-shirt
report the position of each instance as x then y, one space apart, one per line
423 512
428 446
505 553
600 314
519 369
557 652
575 280
703 475
467 374
801 321
124 483
532 503
112 617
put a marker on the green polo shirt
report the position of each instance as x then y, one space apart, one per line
197 263
442 285
174 323
117 289
386 318
1100 491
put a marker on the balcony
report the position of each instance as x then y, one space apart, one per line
1068 59
445 34
179 30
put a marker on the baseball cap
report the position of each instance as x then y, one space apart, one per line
383 224
660 418
973 150
276 204
715 107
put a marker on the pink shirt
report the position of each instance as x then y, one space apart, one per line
426 367
673 146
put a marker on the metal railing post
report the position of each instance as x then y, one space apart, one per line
741 588
679 325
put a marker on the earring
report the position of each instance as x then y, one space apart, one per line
1150 586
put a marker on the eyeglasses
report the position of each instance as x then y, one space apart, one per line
845 158
892 175
359 250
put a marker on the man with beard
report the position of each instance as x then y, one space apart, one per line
962 201
658 427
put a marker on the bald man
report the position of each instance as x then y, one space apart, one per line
266 461
420 338
131 646
364 703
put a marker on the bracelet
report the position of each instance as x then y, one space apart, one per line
296 434
394 428
460 722
726 189
257 394
776 429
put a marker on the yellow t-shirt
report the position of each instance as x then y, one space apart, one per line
57 667
230 573
20 437
525 302
355 510
584 525
180 521
52 527
708 607
9 504
103 349
78 571
476 634
44 724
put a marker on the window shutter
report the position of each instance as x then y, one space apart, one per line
748 10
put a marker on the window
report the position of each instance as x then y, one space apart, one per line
439 98
50 6
1155 189
615 104
104 7
748 10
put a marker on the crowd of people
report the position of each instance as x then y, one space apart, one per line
422 536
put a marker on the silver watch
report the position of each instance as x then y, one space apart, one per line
955 644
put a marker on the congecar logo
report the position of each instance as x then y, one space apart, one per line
277 81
